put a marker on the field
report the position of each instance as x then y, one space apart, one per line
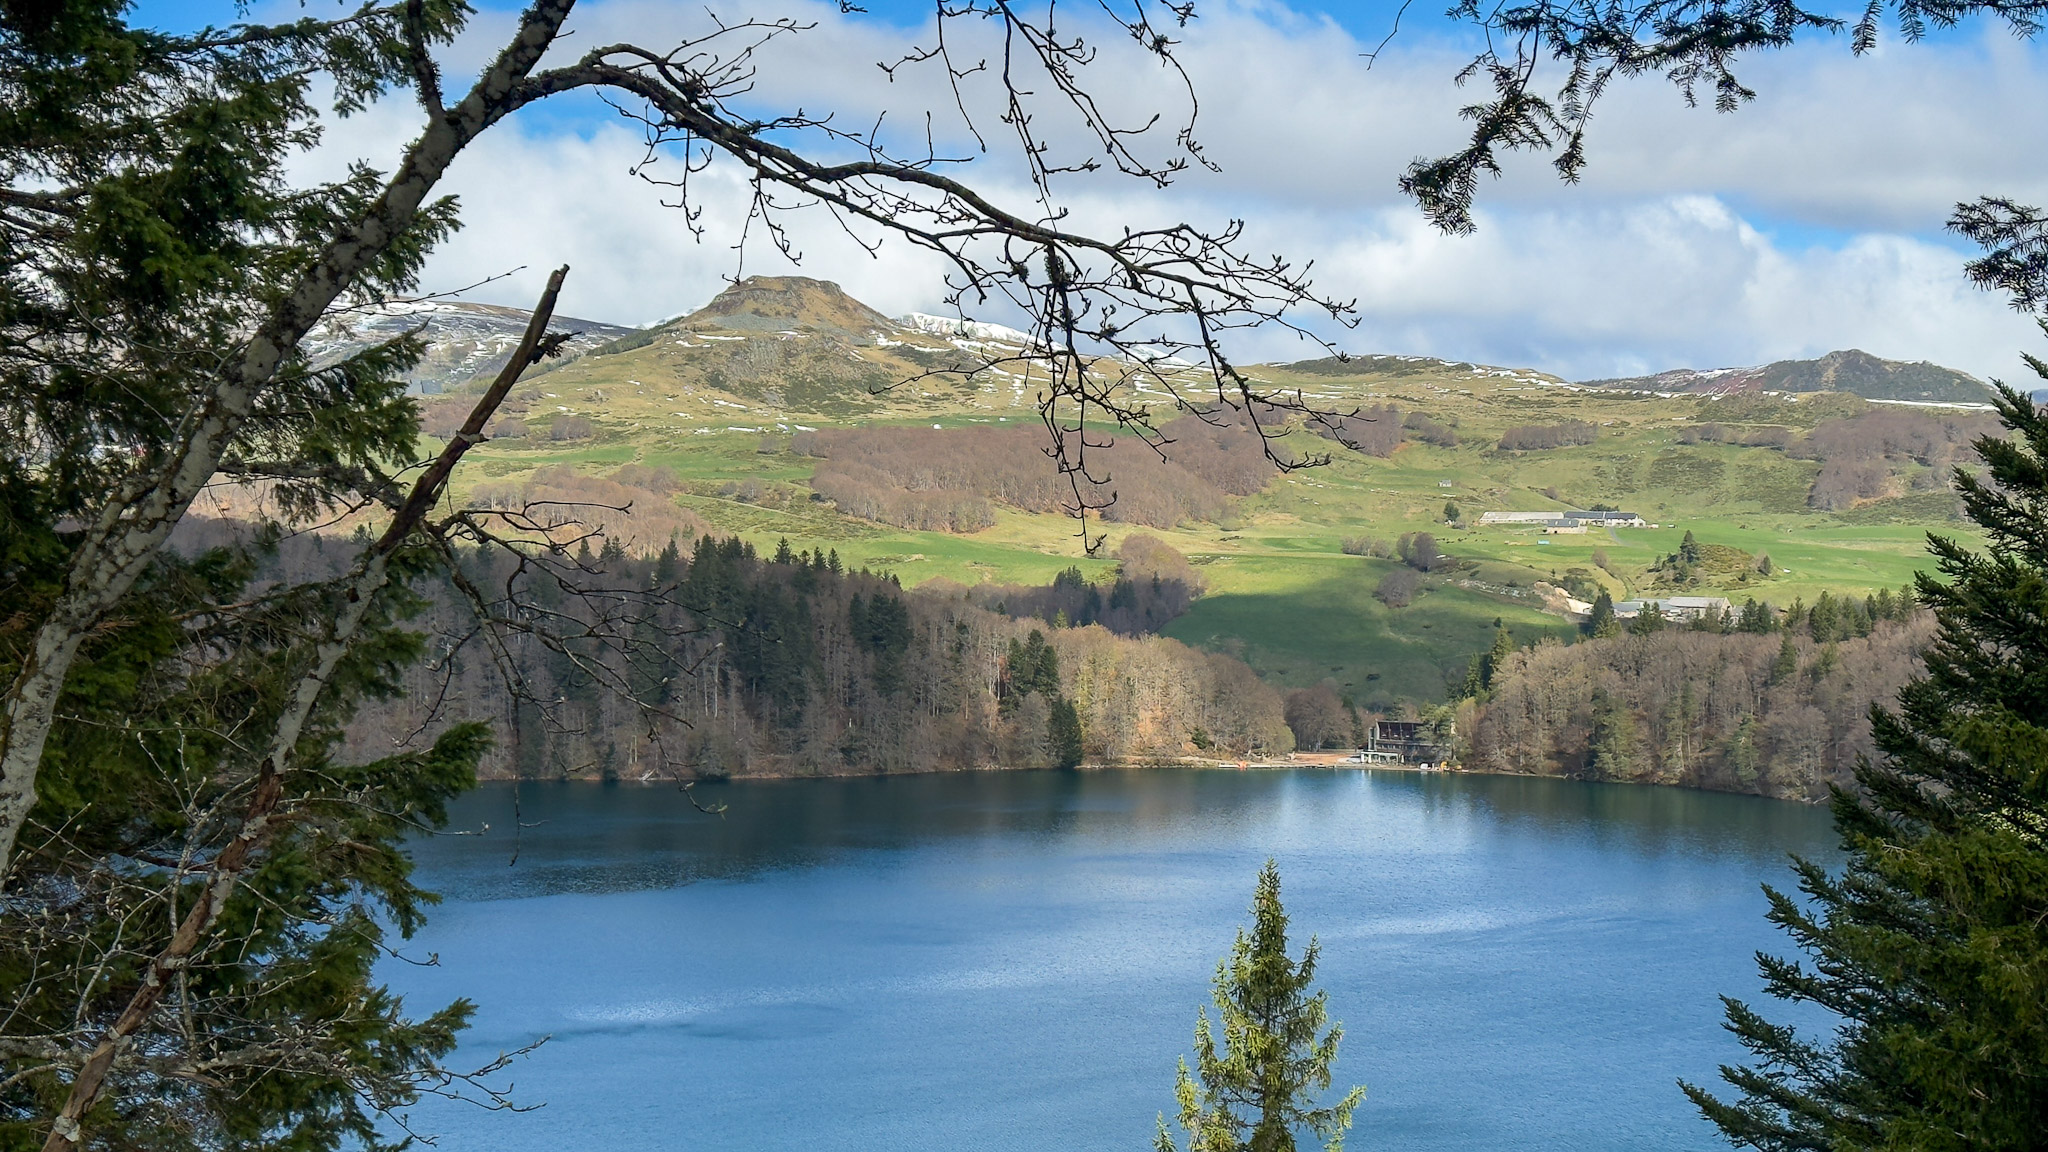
1282 594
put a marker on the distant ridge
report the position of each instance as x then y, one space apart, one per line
953 327
1362 367
1853 371
465 341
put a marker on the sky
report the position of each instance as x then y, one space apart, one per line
1809 220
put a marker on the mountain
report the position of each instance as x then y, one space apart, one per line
791 343
464 341
786 409
1853 371
775 350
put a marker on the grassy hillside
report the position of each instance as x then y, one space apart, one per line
714 398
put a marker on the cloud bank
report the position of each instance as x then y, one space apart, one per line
1806 222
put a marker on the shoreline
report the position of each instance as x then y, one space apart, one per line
1299 760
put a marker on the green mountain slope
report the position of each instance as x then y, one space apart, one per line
718 401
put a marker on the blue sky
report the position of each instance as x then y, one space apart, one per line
1808 221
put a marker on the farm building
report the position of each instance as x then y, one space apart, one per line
1563 521
1609 519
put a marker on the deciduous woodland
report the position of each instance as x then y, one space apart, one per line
785 665
1872 456
1777 715
949 480
1539 437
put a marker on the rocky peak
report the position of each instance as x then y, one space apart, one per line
793 304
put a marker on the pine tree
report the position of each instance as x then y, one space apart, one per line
1063 734
1931 946
1757 618
1490 664
1258 1091
1600 622
1613 749
1824 621
1786 664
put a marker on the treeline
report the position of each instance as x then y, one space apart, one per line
1538 437
1379 429
949 479
721 662
866 492
1864 457
1153 585
1777 715
1418 550
1321 718
1829 618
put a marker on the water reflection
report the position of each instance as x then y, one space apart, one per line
585 837
1011 961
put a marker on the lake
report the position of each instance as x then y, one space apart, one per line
1013 961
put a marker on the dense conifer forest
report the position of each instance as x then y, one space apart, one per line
715 661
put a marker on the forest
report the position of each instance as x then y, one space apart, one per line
1778 714
633 505
719 662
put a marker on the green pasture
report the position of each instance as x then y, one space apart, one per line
1299 619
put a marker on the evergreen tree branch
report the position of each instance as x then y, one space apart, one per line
365 582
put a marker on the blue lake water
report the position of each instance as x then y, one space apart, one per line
1012 961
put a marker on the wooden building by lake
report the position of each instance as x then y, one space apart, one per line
1408 741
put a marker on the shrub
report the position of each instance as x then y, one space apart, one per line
1397 588
570 428
1418 550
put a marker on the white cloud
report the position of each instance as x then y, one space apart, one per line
1663 283
1806 222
